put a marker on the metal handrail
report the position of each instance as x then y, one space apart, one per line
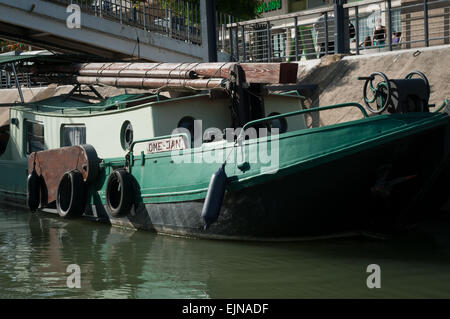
289 93
361 3
301 34
179 20
442 106
284 16
314 109
144 17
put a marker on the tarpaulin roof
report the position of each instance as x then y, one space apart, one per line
8 58
44 56
12 58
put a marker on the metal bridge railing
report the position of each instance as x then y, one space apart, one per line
310 34
7 79
178 19
306 34
408 24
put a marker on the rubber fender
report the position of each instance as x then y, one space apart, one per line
71 195
214 197
119 193
93 162
33 191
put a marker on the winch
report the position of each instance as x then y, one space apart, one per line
396 95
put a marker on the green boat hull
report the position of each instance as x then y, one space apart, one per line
376 173
327 191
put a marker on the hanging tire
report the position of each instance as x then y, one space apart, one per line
33 191
71 195
119 193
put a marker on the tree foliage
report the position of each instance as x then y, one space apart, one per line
244 9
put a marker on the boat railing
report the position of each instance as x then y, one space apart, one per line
440 107
293 93
313 109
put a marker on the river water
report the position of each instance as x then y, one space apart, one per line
36 249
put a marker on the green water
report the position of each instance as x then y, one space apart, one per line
35 251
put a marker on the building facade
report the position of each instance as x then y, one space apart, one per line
276 7
287 38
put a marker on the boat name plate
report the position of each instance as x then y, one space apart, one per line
166 144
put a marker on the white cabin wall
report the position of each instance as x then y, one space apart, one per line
284 104
213 112
14 150
102 130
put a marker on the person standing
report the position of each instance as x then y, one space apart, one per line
367 42
379 35
396 37
135 6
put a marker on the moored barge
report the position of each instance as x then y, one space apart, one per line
145 161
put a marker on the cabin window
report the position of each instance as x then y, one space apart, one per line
74 135
188 123
34 137
279 123
4 138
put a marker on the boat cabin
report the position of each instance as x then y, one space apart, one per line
114 123
200 100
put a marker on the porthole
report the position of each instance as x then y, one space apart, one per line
279 123
187 123
126 135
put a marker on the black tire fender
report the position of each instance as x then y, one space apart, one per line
119 193
71 195
33 191
93 161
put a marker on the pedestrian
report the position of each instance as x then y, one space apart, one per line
367 42
135 6
396 37
379 35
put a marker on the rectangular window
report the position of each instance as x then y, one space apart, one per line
396 20
73 135
34 137
279 44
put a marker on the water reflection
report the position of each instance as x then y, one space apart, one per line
35 251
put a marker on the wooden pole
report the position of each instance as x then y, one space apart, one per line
254 72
